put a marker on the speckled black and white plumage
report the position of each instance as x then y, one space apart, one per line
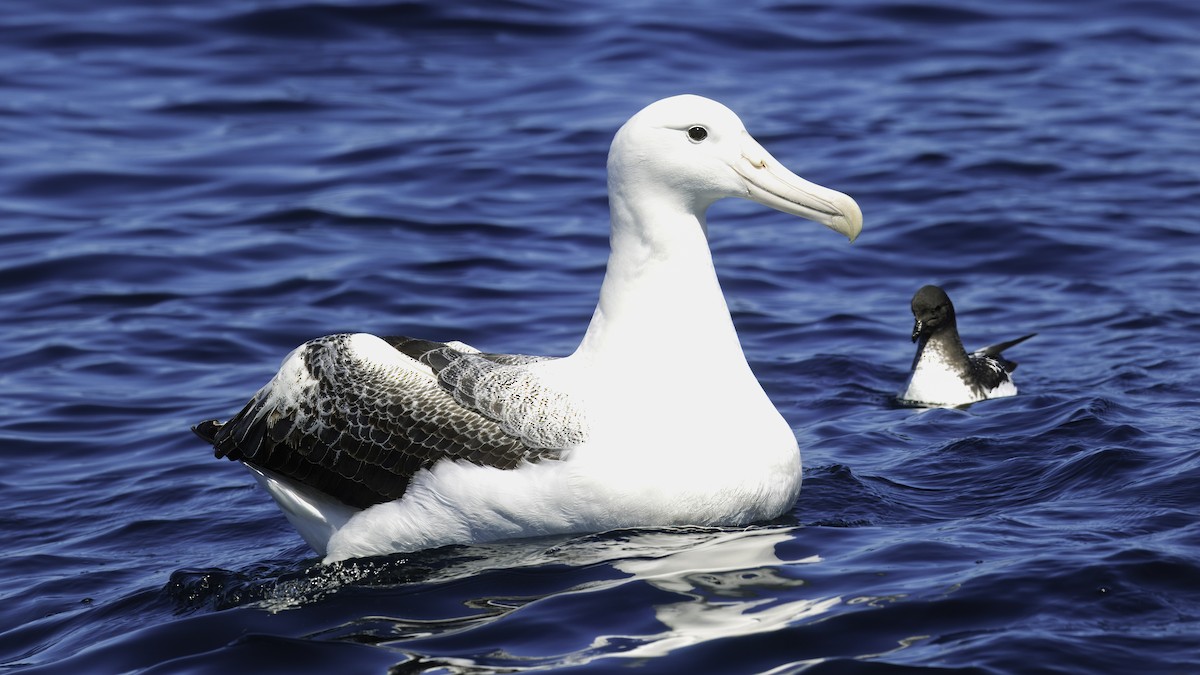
943 372
406 411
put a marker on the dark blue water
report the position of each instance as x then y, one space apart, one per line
189 190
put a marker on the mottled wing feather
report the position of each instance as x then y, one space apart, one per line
514 359
358 426
988 372
504 389
509 390
418 349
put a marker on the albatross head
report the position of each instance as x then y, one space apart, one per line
693 151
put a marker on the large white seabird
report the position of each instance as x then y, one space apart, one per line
377 445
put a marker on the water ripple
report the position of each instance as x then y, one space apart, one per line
190 192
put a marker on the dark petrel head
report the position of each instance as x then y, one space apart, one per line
932 311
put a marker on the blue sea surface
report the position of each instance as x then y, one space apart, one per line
188 190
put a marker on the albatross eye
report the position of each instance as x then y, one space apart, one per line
697 133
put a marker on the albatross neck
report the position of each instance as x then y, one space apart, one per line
660 293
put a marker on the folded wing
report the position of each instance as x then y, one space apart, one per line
355 416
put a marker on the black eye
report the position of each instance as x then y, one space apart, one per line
697 134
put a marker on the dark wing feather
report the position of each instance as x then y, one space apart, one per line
995 350
989 368
987 372
357 426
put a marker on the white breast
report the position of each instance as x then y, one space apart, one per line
935 382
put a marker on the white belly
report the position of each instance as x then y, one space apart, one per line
732 471
934 383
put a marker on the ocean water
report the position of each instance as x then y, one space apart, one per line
189 190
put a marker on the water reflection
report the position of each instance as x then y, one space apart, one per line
688 586
731 583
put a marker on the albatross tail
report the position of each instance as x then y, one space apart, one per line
314 514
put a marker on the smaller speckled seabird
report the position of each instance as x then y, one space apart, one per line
377 445
943 373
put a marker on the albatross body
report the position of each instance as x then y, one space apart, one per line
376 445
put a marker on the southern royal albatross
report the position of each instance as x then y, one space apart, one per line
376 445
